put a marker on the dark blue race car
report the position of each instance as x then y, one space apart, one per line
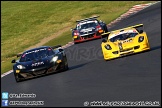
39 61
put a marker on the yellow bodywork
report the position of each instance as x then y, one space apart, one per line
75 37
129 46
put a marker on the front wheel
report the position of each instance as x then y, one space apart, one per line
17 78
66 67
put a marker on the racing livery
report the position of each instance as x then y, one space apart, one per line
88 29
125 41
39 61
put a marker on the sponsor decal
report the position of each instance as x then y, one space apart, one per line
130 40
34 51
37 64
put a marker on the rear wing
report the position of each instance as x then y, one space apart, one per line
94 17
135 26
56 47
18 55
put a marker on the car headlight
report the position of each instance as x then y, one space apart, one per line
20 67
76 34
55 58
141 38
108 47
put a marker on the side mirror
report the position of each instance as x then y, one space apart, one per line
61 50
71 29
104 40
101 21
13 61
141 31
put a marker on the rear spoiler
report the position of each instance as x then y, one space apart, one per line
57 46
135 26
94 17
18 55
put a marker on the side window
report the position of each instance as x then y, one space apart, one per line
56 51
78 27
97 22
28 57
22 59
50 52
133 34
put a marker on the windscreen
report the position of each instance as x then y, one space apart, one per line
123 36
86 25
36 54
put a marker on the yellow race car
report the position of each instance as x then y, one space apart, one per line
124 41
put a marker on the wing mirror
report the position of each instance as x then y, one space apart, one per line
141 31
101 21
104 40
61 50
13 61
71 29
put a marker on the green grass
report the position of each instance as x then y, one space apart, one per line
61 40
25 23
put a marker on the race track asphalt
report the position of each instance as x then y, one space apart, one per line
90 78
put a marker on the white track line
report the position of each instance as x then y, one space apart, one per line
131 11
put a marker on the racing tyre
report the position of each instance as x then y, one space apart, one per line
66 67
17 78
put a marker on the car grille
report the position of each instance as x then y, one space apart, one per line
115 52
88 36
126 53
39 72
51 70
136 47
124 50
